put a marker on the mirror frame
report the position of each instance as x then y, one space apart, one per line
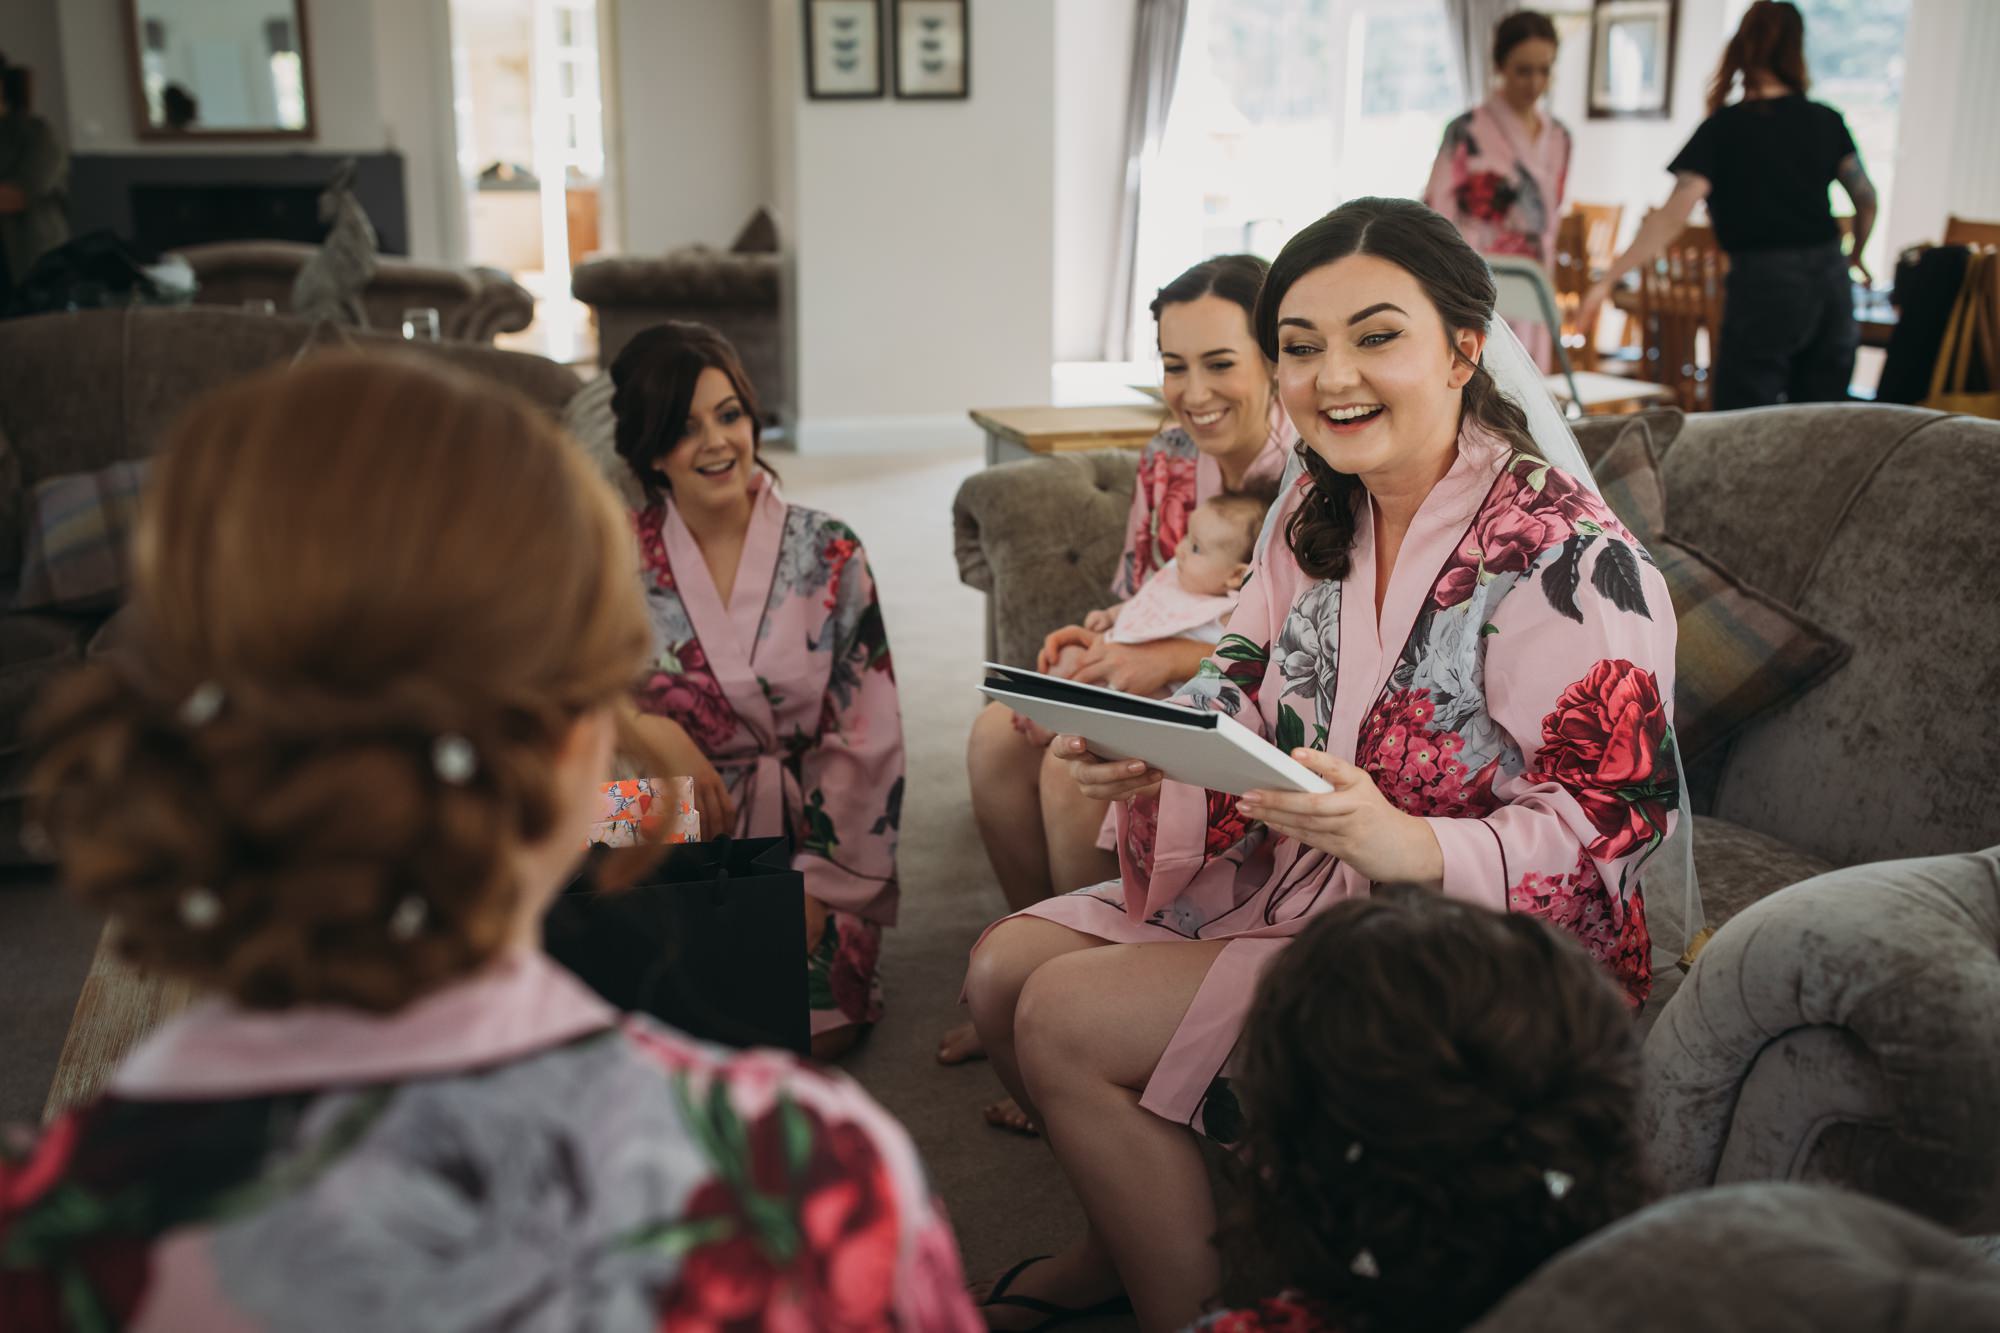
143 126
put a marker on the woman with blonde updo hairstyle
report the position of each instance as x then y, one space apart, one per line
385 626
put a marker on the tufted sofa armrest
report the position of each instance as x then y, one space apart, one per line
1761 1258
1842 1030
1042 537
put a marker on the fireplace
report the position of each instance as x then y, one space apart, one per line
158 201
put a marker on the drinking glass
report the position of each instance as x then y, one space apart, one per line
420 324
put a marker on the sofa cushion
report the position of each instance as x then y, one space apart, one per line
1739 866
1741 653
759 235
78 526
1895 755
590 422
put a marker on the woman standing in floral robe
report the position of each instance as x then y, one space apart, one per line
348 790
1503 167
772 682
1459 637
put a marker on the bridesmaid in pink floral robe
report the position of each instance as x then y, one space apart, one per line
789 692
1516 693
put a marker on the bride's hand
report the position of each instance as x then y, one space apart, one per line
1104 779
1354 822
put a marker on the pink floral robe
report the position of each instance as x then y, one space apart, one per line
505 1153
1173 477
1517 693
1503 189
788 691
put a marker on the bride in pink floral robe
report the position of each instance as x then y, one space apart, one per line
788 690
1516 693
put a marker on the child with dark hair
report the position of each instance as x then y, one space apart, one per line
1437 1099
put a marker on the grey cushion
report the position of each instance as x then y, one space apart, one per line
1759 1259
1843 1029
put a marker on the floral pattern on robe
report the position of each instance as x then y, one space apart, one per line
1173 477
612 1174
1515 692
790 692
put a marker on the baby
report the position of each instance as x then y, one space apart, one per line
1189 597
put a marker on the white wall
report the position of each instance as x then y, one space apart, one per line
31 35
1947 159
925 240
696 110
1093 73
1625 161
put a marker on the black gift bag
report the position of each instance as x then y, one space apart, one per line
712 941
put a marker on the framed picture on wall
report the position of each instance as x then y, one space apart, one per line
933 49
843 49
1632 59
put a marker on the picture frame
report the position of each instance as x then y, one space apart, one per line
1632 59
843 49
933 50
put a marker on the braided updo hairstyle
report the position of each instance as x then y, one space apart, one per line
1428 247
338 569
1411 1071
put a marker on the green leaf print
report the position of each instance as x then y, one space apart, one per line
1236 648
819 839
1488 628
1319 735
1291 729
819 967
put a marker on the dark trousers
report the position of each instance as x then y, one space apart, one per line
1788 331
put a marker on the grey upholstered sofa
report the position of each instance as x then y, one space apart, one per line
473 304
1760 1259
81 391
1807 1046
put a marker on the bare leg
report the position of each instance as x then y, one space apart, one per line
1089 1030
1005 769
1070 821
1000 967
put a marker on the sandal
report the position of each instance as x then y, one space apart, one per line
1052 1313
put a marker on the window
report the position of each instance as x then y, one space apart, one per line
1281 109
1854 53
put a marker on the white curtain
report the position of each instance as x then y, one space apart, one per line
1158 30
1472 23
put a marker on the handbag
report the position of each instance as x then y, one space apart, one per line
1971 332
712 941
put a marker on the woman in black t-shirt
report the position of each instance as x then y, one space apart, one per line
1763 164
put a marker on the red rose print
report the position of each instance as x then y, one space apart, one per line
1604 739
1578 904
692 698
650 524
852 976
838 552
1226 824
833 1268
1516 525
1168 484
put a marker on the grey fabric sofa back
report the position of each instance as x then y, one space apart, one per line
83 390
1877 523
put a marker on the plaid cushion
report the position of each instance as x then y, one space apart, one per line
1741 652
73 558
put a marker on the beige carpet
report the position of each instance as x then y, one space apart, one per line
1006 1197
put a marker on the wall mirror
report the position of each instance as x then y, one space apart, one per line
217 69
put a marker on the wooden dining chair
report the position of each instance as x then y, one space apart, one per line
1586 243
1970 231
1680 317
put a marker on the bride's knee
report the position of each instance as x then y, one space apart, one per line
1001 965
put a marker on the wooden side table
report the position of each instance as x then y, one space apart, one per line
1025 432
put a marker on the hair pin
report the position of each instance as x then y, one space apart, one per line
1364 1265
200 909
408 918
455 759
1558 1182
1353 1153
200 708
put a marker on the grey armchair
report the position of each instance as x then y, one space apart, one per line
1843 1030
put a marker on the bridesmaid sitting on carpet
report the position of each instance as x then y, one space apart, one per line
1413 1151
386 621
1455 633
770 680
